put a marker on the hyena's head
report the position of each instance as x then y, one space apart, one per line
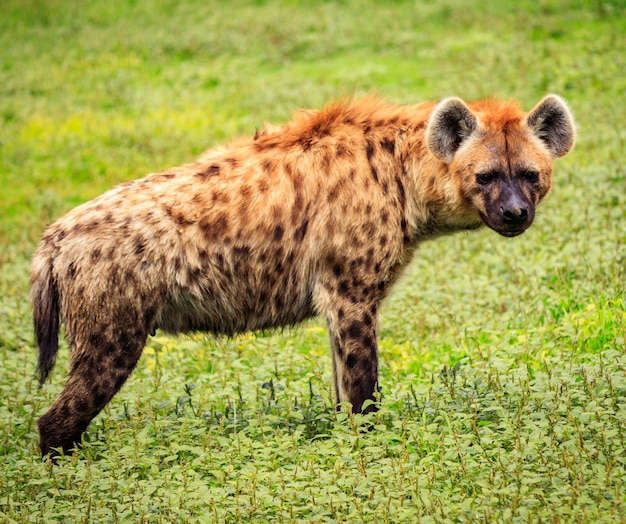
499 157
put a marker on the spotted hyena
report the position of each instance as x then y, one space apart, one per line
315 217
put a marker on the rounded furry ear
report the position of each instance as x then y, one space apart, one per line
552 122
450 124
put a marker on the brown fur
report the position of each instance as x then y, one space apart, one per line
315 217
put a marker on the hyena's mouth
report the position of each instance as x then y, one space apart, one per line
507 228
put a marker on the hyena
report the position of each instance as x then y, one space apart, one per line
316 217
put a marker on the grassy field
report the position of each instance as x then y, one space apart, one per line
503 360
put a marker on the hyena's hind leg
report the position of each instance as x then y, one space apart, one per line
99 367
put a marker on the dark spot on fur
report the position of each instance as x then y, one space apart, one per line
120 361
219 197
374 173
355 330
262 145
140 245
183 220
369 342
327 159
357 282
298 206
263 186
212 170
95 254
306 142
267 165
301 231
242 251
368 292
351 360
245 191
369 229
401 192
388 145
60 235
405 231
279 302
278 233
215 229
96 340
370 150
334 191
343 288
341 150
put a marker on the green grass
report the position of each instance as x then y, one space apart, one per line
503 361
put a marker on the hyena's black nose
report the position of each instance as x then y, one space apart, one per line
514 213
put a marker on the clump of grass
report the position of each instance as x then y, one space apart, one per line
483 441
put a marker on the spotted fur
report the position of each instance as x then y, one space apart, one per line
315 217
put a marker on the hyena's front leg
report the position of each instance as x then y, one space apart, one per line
353 333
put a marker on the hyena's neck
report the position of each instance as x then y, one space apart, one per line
432 203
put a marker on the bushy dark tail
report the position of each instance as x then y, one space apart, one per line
45 299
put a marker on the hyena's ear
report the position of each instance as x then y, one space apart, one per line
450 124
552 122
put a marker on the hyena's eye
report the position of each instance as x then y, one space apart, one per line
529 176
486 178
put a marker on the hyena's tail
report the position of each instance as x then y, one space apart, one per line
45 299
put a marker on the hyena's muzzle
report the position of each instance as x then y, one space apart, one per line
509 210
